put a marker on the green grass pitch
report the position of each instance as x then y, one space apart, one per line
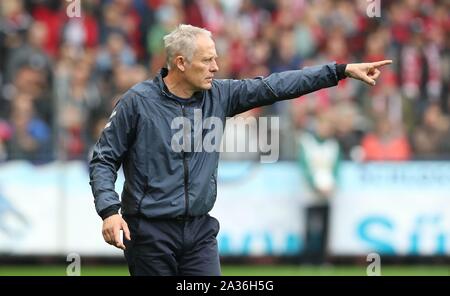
238 270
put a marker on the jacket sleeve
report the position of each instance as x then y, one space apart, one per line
243 95
107 156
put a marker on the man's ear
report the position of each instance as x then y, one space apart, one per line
180 63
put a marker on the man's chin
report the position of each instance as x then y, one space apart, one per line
207 86
204 86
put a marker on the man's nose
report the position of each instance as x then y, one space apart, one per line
214 67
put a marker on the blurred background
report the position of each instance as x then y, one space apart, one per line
361 169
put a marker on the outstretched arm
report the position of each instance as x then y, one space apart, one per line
242 95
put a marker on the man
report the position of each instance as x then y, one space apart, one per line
167 192
319 162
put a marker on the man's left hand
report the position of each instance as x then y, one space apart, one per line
367 72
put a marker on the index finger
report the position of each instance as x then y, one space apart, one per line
381 63
120 245
118 241
126 230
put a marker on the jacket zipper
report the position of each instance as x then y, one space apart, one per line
186 173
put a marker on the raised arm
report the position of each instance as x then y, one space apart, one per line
243 95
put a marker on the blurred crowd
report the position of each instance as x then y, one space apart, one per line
60 76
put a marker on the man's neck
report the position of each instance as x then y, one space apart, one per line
177 86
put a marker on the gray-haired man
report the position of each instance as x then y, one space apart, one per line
168 193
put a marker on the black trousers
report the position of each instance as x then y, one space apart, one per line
170 247
317 217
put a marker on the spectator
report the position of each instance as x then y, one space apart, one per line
30 53
349 125
31 136
78 97
432 136
115 53
14 23
386 143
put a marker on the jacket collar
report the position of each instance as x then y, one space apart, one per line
160 82
165 91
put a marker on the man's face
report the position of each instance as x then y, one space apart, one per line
200 71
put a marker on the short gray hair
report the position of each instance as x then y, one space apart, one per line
181 41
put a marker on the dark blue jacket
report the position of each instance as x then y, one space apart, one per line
161 183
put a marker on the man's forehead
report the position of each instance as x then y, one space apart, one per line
205 45
204 39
